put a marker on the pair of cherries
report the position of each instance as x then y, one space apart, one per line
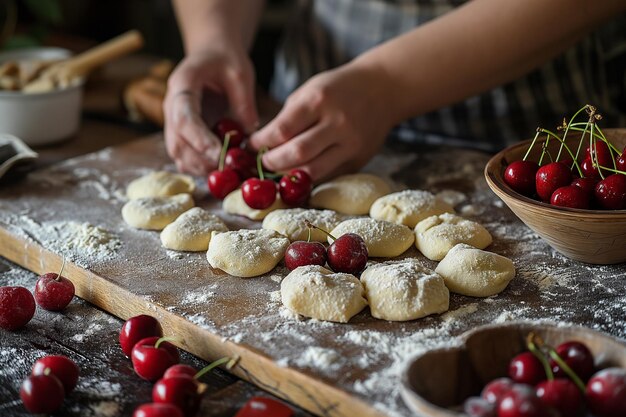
53 292
52 378
237 166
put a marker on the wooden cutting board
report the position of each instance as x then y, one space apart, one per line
72 210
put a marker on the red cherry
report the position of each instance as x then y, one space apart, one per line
258 194
62 367
180 370
562 395
181 391
149 361
226 125
157 410
550 177
53 291
42 394
302 253
606 393
137 328
242 162
586 184
577 356
494 390
295 188
221 183
604 156
17 307
620 162
611 192
570 196
589 171
521 401
264 407
520 176
348 253
479 407
525 368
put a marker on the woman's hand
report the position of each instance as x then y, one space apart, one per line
331 125
199 79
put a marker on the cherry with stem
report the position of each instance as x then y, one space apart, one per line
223 181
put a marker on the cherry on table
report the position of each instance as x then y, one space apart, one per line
62 367
348 253
152 356
495 389
525 368
606 393
521 401
226 126
242 162
17 307
180 370
301 253
264 407
42 394
610 192
182 391
138 328
295 188
221 183
571 196
577 356
520 176
562 395
479 407
157 410
550 177
258 193
53 292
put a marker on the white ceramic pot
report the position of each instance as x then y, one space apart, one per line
40 118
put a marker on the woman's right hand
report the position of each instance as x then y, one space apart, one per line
218 72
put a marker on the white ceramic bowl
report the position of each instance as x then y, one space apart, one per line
40 118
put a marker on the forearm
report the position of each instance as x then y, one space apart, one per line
206 21
477 47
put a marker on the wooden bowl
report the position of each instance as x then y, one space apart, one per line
591 236
436 383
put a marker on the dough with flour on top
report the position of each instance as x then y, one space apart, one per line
191 231
316 292
404 290
246 253
154 213
383 239
436 235
349 194
160 184
408 207
292 223
234 204
475 272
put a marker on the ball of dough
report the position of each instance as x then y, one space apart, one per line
246 253
436 235
160 184
383 239
475 272
191 231
404 290
408 207
292 223
154 213
314 291
349 194
234 204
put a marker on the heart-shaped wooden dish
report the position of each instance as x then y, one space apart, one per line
436 383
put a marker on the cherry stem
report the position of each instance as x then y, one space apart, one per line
312 226
259 163
554 135
532 347
567 128
164 339
58 278
225 149
212 365
531 145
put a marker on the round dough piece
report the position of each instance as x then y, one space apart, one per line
292 223
404 290
246 253
475 272
234 204
154 213
316 292
383 239
436 235
408 207
160 184
349 194
191 231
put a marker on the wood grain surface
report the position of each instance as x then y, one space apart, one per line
215 315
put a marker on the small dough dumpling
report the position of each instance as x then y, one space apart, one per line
409 207
316 292
191 231
234 204
160 184
292 223
154 213
475 272
246 253
404 290
382 238
436 235
349 194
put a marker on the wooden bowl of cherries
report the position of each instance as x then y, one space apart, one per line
569 186
521 370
